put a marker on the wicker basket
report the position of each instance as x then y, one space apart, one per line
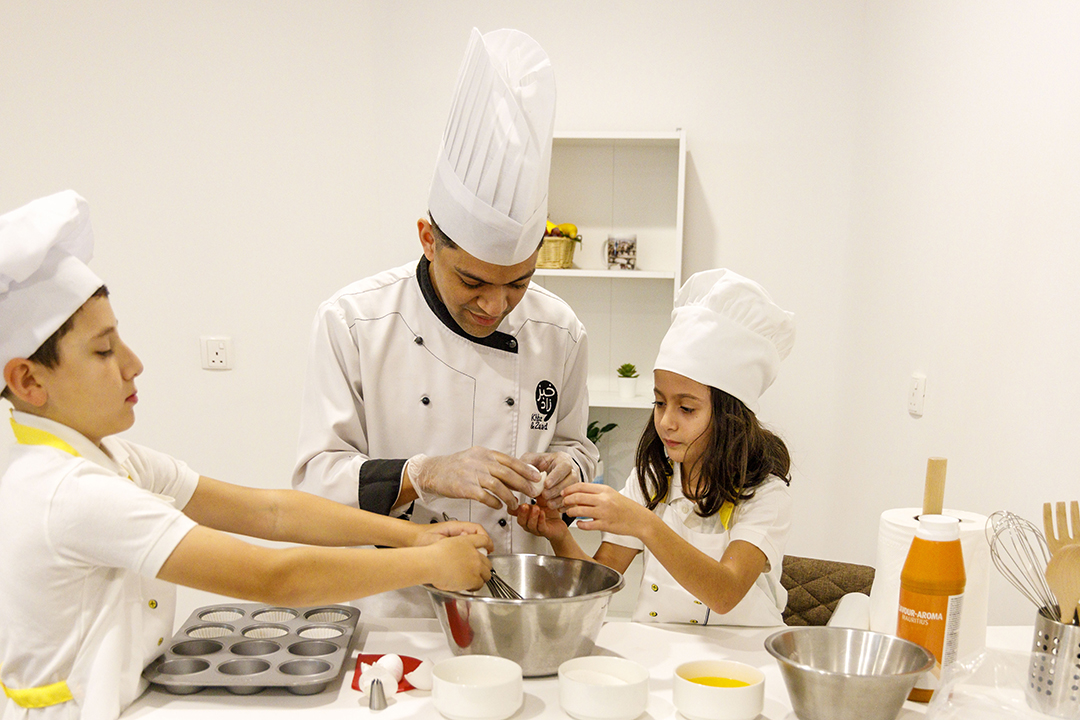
557 252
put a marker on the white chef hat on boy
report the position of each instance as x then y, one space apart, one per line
44 248
727 333
490 190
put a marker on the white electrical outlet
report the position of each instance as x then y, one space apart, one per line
916 394
216 352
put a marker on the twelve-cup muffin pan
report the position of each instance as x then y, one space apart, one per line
248 647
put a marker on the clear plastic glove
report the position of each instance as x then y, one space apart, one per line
478 473
562 472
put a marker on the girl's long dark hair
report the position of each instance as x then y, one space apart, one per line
740 455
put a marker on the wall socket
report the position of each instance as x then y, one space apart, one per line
216 352
916 394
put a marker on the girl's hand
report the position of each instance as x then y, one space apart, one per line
431 534
539 519
610 511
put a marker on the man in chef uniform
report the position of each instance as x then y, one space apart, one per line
445 388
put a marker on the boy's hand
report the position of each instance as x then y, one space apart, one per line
539 519
430 534
459 563
610 511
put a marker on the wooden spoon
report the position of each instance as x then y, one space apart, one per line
934 490
1063 576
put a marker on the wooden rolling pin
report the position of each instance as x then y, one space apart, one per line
934 492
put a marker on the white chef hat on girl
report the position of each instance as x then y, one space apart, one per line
44 248
727 333
489 192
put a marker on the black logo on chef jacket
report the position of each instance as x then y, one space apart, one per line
547 399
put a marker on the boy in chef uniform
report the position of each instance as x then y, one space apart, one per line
94 530
445 387
713 512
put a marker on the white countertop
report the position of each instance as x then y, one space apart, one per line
658 647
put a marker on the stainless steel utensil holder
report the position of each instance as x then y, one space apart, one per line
1053 685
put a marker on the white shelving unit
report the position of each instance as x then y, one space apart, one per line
620 183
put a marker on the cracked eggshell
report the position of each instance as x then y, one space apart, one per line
420 678
392 663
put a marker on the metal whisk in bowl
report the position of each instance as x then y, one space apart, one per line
1020 553
500 589
495 584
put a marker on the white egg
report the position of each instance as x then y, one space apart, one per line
420 677
538 486
383 675
393 664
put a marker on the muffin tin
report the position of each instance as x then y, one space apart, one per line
248 647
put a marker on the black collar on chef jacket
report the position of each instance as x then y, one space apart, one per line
497 340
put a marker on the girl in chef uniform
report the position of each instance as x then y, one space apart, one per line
708 500
94 530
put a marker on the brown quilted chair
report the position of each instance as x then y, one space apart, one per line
815 587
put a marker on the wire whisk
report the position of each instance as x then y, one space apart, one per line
500 589
1020 553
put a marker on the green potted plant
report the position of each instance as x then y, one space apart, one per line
594 432
627 375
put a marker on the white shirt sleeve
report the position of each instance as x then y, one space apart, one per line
333 438
101 519
573 412
157 472
764 520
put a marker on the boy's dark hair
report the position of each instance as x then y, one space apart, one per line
740 455
49 352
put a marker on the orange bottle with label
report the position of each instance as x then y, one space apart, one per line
931 596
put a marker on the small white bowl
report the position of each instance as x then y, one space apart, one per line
707 702
603 688
477 687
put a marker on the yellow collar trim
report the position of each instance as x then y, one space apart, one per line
26 435
725 514
39 697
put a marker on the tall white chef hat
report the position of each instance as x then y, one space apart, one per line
727 333
489 193
44 248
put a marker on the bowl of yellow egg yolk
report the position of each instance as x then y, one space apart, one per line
719 690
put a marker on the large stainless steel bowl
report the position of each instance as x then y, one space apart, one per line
835 673
563 608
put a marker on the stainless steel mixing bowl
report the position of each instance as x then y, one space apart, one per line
834 673
563 608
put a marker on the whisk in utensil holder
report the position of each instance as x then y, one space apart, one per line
1053 685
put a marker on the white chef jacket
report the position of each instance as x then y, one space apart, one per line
762 521
83 533
391 374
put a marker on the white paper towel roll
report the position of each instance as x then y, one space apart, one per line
895 533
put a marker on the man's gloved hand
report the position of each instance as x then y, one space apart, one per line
562 472
478 473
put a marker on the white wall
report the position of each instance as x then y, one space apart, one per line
962 263
903 176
